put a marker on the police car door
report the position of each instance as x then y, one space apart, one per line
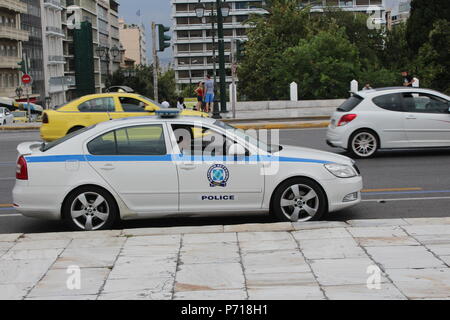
209 179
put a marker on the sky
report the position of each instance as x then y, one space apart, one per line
158 11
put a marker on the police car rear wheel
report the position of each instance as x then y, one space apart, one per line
299 199
89 209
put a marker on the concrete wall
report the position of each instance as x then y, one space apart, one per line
284 109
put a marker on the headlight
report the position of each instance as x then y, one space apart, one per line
341 170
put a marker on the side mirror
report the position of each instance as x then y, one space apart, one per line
236 150
150 108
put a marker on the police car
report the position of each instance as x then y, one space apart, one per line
170 165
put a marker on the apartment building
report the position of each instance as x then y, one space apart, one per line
134 43
192 37
11 38
104 19
56 83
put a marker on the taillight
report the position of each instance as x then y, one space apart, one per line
45 118
22 170
346 119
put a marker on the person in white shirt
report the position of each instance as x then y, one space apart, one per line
180 104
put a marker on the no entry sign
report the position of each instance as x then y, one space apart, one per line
26 79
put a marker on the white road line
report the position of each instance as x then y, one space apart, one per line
407 199
10 215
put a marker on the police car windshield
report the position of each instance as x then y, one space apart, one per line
246 137
48 145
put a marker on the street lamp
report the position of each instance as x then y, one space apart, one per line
106 53
48 100
220 11
19 92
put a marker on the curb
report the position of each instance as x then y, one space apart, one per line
283 126
266 120
19 128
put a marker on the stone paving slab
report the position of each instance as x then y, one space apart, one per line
289 261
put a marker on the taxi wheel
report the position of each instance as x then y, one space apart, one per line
90 208
299 199
363 144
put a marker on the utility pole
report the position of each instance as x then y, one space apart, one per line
233 77
27 87
155 63
223 88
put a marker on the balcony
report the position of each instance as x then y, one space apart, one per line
54 4
14 5
55 31
13 34
56 59
9 62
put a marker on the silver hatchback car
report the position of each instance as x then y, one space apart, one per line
6 117
391 118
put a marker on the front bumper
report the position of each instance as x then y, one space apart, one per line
337 189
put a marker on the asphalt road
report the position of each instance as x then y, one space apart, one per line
398 184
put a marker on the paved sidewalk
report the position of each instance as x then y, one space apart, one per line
316 260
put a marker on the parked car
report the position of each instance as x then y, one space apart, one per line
147 167
91 109
6 117
20 116
391 118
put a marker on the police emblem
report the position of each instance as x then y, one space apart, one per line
218 175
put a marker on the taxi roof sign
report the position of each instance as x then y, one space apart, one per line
167 113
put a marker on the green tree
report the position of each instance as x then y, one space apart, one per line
323 65
424 13
433 60
261 70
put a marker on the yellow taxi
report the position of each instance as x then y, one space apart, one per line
95 108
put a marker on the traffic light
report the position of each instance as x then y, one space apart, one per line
164 40
23 66
240 50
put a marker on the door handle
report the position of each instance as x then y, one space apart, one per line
187 166
410 117
108 167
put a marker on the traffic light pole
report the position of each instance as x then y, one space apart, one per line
155 64
223 85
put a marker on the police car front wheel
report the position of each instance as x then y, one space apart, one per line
299 199
90 208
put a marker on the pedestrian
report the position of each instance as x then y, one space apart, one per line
165 104
209 93
367 87
416 83
407 79
180 104
200 92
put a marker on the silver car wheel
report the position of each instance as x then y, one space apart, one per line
299 202
364 144
89 211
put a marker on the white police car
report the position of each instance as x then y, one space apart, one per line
167 165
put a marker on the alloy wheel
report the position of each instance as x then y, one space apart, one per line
299 202
364 144
89 211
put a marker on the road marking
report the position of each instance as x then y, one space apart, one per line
391 189
10 215
407 192
406 199
6 205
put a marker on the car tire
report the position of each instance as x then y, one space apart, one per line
363 144
75 129
4 122
90 208
299 199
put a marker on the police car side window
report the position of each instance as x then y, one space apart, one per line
97 105
391 102
136 140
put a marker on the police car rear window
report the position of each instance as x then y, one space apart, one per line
350 103
49 145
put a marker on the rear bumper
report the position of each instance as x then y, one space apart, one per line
50 134
36 202
337 137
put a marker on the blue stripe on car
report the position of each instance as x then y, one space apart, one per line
169 157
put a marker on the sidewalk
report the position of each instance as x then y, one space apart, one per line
296 123
315 260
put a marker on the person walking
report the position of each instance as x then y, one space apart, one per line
200 92
209 93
